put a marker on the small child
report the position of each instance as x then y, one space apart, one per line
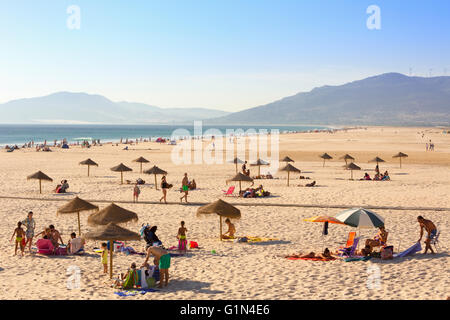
20 238
136 193
105 257
182 242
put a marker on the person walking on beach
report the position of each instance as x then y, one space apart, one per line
164 187
185 187
20 238
429 226
162 259
136 192
30 224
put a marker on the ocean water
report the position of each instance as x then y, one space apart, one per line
20 134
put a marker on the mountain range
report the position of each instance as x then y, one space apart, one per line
386 99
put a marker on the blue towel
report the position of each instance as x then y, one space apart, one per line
357 259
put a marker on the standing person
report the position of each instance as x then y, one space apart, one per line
105 257
181 236
185 187
244 168
30 224
426 145
136 192
162 258
20 237
429 226
164 187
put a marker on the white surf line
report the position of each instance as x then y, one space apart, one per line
245 204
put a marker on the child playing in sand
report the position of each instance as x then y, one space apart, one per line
20 238
105 257
181 236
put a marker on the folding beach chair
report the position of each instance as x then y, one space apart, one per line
229 192
349 251
350 240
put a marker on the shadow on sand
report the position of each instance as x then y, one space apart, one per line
190 285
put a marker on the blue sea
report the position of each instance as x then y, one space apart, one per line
20 134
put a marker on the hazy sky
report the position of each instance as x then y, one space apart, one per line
221 54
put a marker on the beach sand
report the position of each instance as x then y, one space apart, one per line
239 270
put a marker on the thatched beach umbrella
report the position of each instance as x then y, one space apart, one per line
325 156
141 160
260 163
351 166
377 160
236 161
121 168
287 159
112 214
290 168
39 176
222 209
347 157
76 205
400 155
88 162
112 232
155 170
241 177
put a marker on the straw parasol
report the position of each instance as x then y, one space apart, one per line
325 156
155 170
260 163
377 160
121 168
241 177
290 168
400 155
141 160
347 157
222 209
88 162
351 166
39 176
287 159
112 213
76 205
236 161
112 232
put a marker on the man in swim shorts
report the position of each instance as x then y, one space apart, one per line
185 187
162 258
430 228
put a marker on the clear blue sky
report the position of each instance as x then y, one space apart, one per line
222 54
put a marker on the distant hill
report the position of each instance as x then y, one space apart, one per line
68 107
387 99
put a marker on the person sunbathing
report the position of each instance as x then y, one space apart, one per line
231 230
379 240
326 255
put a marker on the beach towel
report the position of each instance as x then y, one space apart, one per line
260 239
357 259
411 250
131 280
311 259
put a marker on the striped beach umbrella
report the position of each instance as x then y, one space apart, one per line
360 218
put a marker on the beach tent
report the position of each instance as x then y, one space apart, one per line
351 166
222 209
39 176
121 168
290 168
360 218
155 170
241 177
260 163
141 160
325 157
112 232
236 161
347 157
112 214
88 162
76 205
400 155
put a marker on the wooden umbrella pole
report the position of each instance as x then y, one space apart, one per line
220 219
111 243
156 184
236 168
88 170
240 189
121 177
400 162
141 167
259 171
288 178
40 186
79 225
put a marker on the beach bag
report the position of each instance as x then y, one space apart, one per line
193 244
387 253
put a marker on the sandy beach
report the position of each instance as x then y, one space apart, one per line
241 270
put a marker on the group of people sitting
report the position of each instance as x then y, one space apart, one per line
264 176
62 187
258 192
378 176
52 242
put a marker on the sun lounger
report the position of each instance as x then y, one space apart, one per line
229 192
